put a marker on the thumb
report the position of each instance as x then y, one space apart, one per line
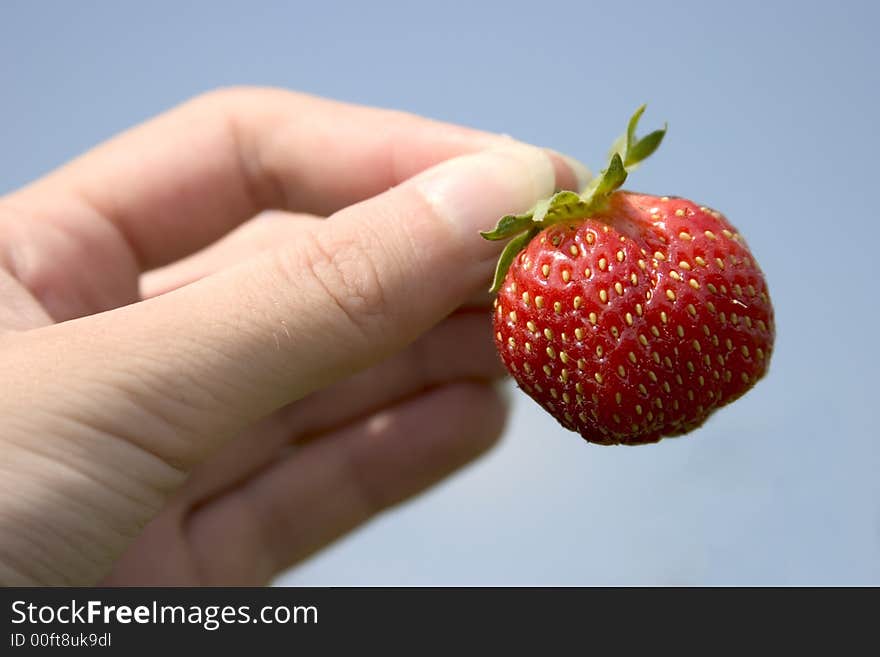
215 355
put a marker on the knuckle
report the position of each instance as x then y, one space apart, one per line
345 272
232 95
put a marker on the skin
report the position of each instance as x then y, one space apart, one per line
198 391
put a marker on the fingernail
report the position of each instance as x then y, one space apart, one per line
581 173
474 191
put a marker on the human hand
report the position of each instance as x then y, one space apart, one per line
187 401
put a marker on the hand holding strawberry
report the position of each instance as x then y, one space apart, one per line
157 370
629 317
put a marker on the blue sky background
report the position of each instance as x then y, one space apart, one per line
772 110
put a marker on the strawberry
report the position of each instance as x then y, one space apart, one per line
629 317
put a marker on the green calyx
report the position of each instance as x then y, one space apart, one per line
626 154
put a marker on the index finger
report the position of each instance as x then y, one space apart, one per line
181 181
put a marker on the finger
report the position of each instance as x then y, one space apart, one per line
179 182
306 501
457 349
182 180
218 354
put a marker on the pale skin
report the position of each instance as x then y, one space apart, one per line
195 394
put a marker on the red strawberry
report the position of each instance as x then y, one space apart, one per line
629 317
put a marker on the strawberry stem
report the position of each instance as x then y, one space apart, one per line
626 154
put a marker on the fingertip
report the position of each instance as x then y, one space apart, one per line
473 191
571 174
482 416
